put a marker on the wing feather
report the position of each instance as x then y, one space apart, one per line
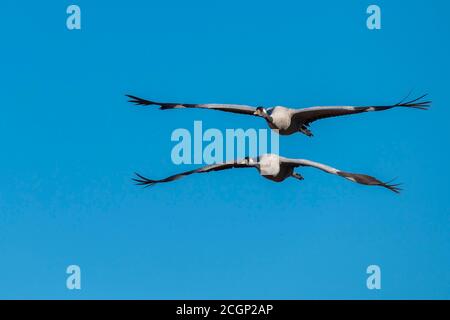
354 177
234 108
308 115
143 181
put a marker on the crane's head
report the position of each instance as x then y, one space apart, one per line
261 112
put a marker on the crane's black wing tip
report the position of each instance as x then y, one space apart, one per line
393 187
417 103
370 181
143 181
139 101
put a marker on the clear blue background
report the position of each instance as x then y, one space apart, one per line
70 143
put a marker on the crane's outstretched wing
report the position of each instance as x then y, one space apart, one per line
308 115
355 177
235 108
245 163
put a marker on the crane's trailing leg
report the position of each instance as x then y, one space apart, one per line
297 176
304 129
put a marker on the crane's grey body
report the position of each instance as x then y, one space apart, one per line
281 120
271 167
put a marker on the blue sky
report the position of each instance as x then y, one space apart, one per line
70 143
